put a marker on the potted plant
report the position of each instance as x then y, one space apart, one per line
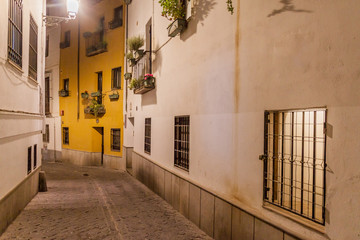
135 43
63 93
134 83
96 94
149 81
95 108
85 95
174 10
130 57
127 76
114 95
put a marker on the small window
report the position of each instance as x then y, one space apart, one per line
66 84
47 46
118 18
15 32
66 42
182 139
100 85
46 135
35 156
33 43
65 135
294 161
116 78
115 139
47 96
147 140
29 161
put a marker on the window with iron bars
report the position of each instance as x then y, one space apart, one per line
35 156
29 161
15 32
65 135
116 78
295 161
115 139
147 140
33 49
181 143
46 135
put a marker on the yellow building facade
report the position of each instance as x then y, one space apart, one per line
91 83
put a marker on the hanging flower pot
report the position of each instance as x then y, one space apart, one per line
114 96
176 27
127 76
85 95
96 94
63 93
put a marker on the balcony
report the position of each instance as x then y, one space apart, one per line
116 22
95 43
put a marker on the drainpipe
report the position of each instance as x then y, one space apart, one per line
78 70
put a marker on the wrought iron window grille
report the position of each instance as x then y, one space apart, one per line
182 142
295 161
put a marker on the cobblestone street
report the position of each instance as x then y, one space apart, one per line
98 203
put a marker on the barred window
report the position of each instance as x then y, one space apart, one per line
15 32
29 161
65 135
46 135
115 139
116 78
35 156
47 96
295 161
147 140
181 145
33 49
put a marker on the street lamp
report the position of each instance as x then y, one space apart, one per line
72 8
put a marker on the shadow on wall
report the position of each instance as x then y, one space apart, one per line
201 10
288 6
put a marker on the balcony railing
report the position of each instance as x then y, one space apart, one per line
95 43
142 67
116 22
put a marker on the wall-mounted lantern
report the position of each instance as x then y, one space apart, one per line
72 8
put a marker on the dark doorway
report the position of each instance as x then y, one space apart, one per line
101 131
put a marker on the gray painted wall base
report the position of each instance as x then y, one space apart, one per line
51 155
81 158
15 201
215 216
114 162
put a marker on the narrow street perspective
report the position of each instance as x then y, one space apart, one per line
98 203
180 119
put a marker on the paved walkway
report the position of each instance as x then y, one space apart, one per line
98 203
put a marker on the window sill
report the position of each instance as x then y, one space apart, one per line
33 81
15 66
305 222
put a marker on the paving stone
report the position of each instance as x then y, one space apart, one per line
105 204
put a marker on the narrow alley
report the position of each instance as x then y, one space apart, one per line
98 203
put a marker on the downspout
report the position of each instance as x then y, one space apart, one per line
126 63
78 70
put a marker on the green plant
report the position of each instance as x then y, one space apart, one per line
134 83
172 9
135 43
230 6
95 107
129 55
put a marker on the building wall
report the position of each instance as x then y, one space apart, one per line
225 70
52 149
21 114
82 135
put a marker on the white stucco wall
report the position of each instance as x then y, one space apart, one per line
52 63
225 70
21 121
